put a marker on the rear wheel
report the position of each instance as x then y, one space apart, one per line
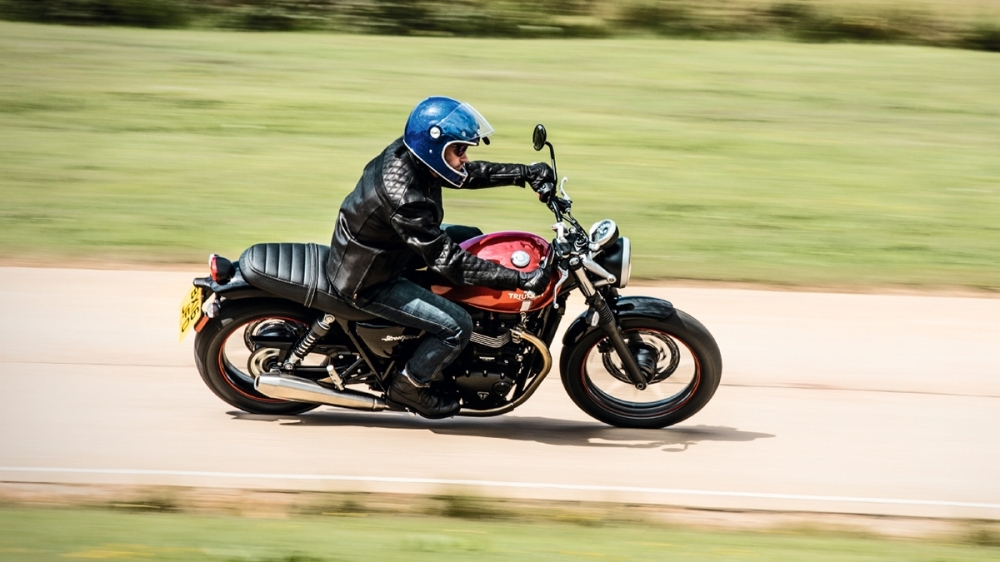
229 361
680 355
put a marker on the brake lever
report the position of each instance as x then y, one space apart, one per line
562 188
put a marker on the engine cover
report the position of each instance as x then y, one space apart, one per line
484 389
488 368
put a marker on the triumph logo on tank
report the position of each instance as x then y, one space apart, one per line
399 338
518 296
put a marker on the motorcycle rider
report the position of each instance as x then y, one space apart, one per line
393 217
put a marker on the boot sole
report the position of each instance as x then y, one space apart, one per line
407 407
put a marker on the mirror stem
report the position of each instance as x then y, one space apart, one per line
552 153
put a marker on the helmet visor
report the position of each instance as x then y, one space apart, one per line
465 124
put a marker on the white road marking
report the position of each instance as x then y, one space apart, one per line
495 484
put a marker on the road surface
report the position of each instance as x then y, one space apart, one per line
850 403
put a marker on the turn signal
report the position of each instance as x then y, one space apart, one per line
222 269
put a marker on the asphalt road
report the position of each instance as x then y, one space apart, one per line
829 402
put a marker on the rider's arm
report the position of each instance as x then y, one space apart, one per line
415 223
490 174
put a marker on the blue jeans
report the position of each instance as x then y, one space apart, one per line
448 325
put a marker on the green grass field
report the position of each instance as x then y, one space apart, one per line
802 164
30 535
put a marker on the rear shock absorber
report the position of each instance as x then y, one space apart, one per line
305 345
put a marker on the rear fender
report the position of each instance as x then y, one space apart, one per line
235 289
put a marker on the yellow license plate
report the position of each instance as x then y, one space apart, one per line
190 310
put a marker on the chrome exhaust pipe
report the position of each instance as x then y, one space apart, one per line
287 387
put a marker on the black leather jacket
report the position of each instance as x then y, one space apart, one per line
393 218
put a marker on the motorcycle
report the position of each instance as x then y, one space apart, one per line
272 337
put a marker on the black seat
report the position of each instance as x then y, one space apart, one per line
296 272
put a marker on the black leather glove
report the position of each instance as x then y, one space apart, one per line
539 174
533 281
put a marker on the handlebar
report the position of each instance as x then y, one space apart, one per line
561 207
559 201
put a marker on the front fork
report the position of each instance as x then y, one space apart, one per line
600 314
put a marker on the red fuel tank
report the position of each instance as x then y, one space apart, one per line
521 251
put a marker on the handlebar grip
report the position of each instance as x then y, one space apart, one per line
546 192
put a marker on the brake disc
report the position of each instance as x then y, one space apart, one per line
667 357
263 361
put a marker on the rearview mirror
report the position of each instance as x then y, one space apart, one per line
539 137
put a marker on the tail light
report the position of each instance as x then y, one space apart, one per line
222 269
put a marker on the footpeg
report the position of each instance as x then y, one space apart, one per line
333 378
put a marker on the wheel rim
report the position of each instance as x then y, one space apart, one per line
678 375
240 361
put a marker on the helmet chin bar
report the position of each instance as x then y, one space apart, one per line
435 172
459 171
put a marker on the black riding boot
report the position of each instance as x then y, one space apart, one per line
427 401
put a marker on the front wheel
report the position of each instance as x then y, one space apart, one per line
688 368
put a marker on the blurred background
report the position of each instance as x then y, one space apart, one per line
963 23
803 143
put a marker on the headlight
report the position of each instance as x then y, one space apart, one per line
617 259
604 233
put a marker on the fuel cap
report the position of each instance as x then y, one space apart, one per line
520 258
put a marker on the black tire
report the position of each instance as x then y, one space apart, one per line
230 378
592 383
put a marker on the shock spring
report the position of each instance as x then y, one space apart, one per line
304 346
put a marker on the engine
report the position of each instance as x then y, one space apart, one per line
488 368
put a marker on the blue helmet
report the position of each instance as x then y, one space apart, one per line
437 122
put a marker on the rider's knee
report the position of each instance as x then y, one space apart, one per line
459 329
464 322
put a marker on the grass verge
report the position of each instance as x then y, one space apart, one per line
35 534
732 161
